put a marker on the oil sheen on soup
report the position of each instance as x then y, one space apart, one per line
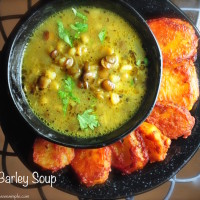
84 71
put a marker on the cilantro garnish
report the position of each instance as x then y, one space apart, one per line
132 82
77 35
102 35
78 14
146 61
88 120
138 63
69 84
79 27
66 94
64 34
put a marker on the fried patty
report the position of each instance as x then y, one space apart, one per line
176 39
172 120
129 154
92 166
156 143
179 84
51 156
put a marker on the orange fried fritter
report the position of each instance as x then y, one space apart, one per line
179 84
92 165
172 120
156 143
176 39
51 156
130 154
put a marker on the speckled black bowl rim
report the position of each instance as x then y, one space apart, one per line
117 186
15 51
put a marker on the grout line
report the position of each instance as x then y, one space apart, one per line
194 10
198 19
171 189
7 17
29 4
191 9
8 153
2 31
187 180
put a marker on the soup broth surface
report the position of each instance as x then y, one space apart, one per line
84 71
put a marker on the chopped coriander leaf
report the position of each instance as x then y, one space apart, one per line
80 15
68 40
146 61
62 94
64 34
69 84
88 120
66 94
80 27
60 28
76 99
102 35
65 105
74 11
77 35
65 100
138 63
132 82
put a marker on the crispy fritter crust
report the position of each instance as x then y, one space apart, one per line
51 156
92 165
179 84
130 154
156 143
176 39
172 120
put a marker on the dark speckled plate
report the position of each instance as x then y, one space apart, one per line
21 137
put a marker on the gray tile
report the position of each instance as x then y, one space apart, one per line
192 15
187 3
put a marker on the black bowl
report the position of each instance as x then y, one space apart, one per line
14 55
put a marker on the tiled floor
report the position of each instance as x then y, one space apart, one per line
182 191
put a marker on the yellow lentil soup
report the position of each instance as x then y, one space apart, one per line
84 71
